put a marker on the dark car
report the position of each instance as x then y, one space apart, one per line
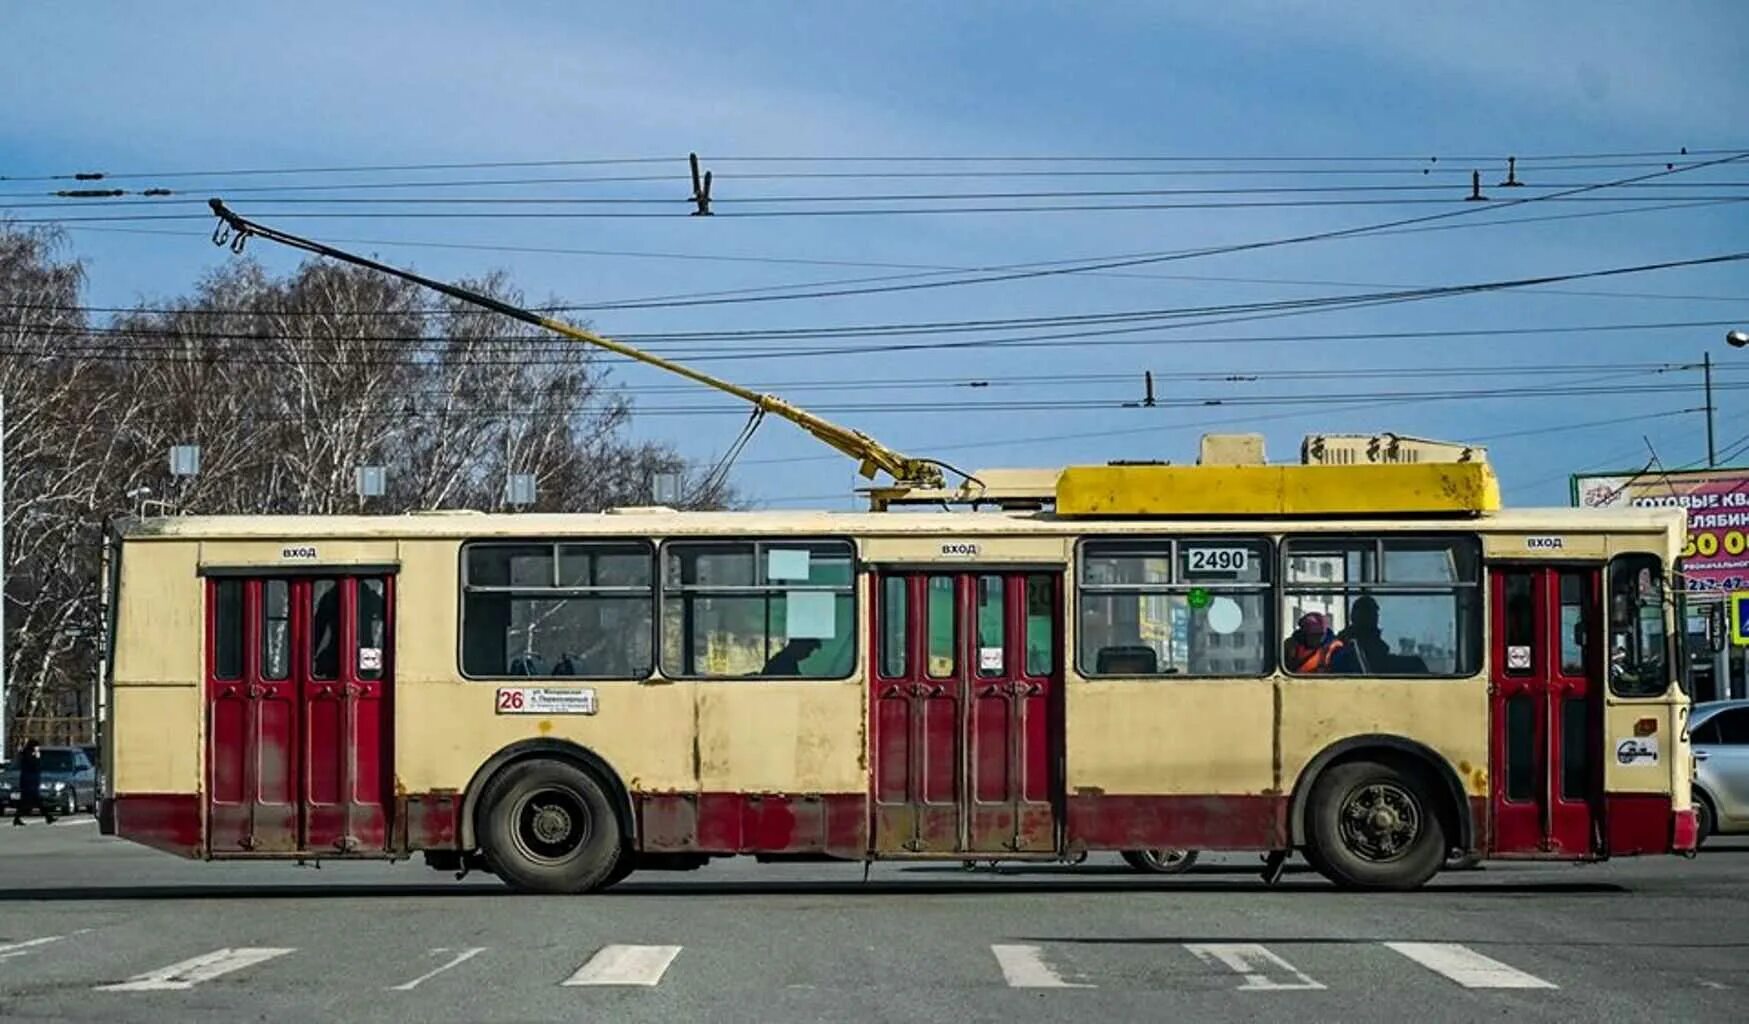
69 781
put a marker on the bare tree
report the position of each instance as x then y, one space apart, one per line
288 386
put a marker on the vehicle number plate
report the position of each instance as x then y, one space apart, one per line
1217 559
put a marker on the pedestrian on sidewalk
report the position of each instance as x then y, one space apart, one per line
30 784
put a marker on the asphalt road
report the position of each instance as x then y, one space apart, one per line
96 929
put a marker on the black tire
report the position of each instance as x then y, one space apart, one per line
1463 862
1374 827
1704 819
622 869
1160 862
548 826
70 804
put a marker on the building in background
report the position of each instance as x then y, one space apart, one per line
1714 564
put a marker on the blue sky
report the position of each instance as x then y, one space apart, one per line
118 87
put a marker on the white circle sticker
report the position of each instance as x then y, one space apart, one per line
1224 615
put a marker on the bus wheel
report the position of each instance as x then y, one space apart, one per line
1163 862
1373 827
549 827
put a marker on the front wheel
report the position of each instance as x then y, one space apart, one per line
1373 826
1161 862
69 804
549 827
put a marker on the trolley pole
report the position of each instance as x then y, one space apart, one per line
1706 366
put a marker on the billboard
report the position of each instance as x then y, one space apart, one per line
1717 556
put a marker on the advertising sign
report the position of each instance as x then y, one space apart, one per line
1717 556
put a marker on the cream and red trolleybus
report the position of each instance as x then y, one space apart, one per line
1110 658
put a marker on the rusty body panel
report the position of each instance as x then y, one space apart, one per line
748 765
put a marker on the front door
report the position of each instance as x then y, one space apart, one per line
1547 709
298 722
966 712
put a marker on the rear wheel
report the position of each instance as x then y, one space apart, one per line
548 826
1373 826
1161 862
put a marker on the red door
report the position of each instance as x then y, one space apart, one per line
965 712
299 722
1547 710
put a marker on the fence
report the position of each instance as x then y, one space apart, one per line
51 731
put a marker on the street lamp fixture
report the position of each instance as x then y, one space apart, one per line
1737 339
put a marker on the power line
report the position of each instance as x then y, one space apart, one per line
1429 159
566 251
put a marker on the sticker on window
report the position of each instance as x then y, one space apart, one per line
1224 616
809 614
1518 657
1217 559
370 659
989 659
786 564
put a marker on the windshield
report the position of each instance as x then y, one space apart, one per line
57 760
1639 643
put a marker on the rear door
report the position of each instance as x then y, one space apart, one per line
252 717
345 713
1546 709
966 712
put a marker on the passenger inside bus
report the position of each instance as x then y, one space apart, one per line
1362 636
1312 648
788 661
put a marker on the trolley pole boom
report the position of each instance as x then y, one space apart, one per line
871 456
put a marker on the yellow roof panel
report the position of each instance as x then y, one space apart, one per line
1464 488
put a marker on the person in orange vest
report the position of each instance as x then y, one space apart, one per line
1313 648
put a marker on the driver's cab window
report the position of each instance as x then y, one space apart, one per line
1639 639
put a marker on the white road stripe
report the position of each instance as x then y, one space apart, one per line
1466 966
1256 964
64 822
625 965
27 947
461 957
191 972
1023 967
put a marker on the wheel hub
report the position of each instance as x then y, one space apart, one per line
1381 821
551 824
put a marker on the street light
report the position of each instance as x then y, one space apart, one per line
1737 339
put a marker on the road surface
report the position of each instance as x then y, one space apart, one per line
95 929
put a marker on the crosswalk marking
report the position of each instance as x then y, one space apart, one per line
461 957
1262 970
27 947
1024 967
1466 966
625 965
191 972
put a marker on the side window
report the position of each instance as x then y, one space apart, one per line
895 628
227 597
371 622
324 629
1519 617
1041 615
1639 644
759 609
275 629
547 610
1194 607
1382 606
1733 727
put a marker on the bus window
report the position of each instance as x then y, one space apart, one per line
992 625
1194 607
275 629
759 609
943 631
1401 606
895 596
1041 614
228 629
324 629
1639 643
549 610
371 618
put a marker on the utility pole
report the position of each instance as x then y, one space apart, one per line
1707 369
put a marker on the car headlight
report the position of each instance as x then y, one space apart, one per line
56 787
